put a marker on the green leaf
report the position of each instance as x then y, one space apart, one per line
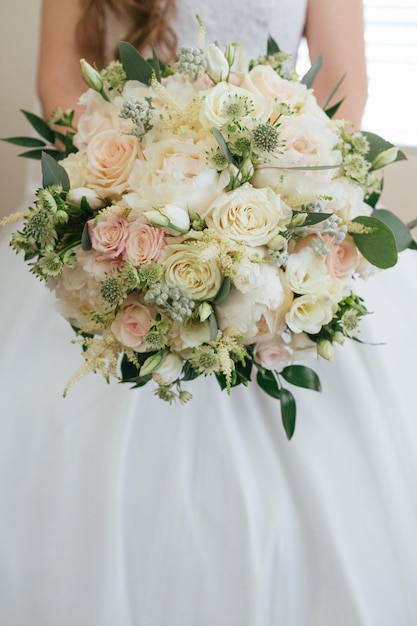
301 376
333 93
377 145
38 152
223 146
188 372
288 412
309 77
315 218
223 291
331 111
85 238
134 65
42 128
402 234
26 142
269 383
53 173
214 329
156 65
272 46
378 245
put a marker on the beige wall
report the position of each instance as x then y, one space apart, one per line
19 25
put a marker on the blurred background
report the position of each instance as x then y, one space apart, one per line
391 43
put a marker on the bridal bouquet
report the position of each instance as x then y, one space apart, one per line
204 219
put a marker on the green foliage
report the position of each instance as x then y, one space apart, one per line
377 242
53 173
301 376
401 231
309 76
134 65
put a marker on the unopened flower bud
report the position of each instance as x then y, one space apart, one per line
76 195
276 243
91 76
156 218
339 338
385 158
151 364
325 349
204 311
217 64
185 396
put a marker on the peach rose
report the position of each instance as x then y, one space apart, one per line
131 326
265 81
342 259
144 242
109 235
110 160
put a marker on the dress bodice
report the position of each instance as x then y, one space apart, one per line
245 21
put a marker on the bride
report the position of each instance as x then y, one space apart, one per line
120 510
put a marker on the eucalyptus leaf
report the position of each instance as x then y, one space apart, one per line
333 93
134 65
402 234
42 128
156 65
269 383
53 173
223 146
378 245
223 291
25 142
288 412
301 376
309 76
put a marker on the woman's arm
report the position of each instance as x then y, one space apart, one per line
335 30
59 79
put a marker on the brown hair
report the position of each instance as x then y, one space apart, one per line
148 23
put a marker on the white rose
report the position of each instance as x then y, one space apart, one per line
217 65
308 314
183 266
215 99
252 216
306 272
75 165
169 369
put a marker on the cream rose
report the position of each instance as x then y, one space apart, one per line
109 235
308 314
131 326
184 266
306 272
252 216
265 81
144 242
214 101
110 160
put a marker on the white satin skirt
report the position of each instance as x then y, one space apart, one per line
118 509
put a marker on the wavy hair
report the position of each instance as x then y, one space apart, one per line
148 23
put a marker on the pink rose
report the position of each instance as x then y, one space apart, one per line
272 354
131 325
342 259
110 160
109 235
144 242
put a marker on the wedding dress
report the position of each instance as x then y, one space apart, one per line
118 509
